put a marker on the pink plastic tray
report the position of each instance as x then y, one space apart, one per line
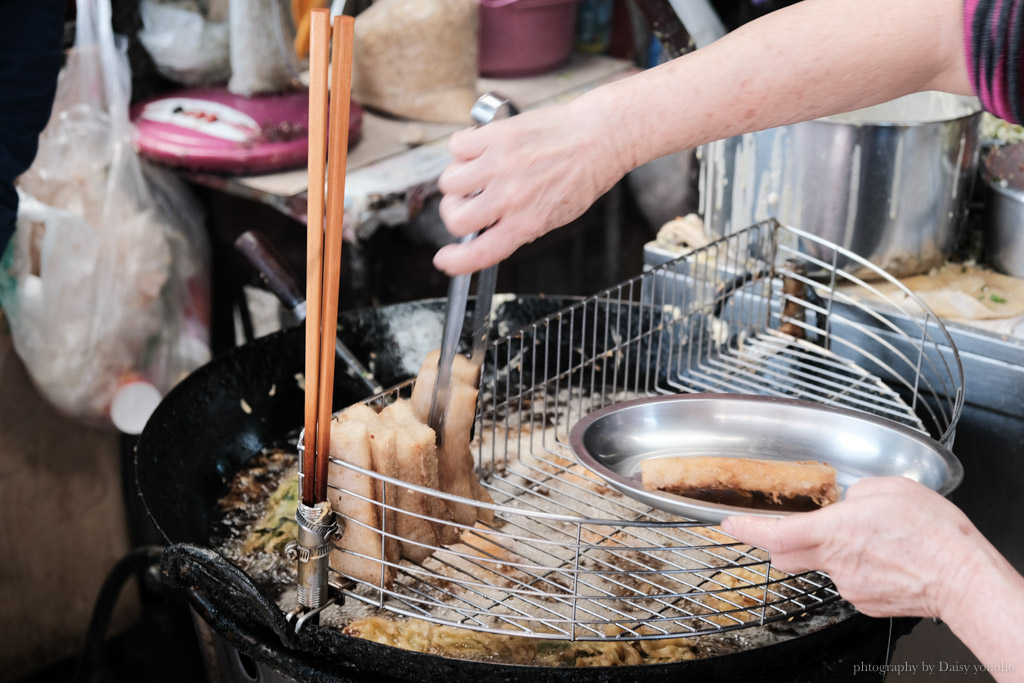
210 129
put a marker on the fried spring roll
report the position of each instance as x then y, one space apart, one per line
776 480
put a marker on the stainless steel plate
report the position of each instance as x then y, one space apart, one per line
613 441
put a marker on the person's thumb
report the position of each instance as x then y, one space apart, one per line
759 531
778 535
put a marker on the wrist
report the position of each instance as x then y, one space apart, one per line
977 578
964 566
602 114
986 615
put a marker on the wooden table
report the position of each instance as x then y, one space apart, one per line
388 180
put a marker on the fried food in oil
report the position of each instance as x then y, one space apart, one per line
776 480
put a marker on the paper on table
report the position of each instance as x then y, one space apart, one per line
967 295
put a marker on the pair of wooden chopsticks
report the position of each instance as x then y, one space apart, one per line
323 239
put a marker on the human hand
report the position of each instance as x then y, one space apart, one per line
523 176
893 547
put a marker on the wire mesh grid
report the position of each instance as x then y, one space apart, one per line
557 554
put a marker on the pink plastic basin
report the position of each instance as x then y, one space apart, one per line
525 37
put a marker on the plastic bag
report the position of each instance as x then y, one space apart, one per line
186 47
262 47
105 283
417 59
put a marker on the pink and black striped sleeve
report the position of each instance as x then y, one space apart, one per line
993 36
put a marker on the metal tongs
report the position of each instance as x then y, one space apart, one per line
485 110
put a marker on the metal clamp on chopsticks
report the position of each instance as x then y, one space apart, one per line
317 526
312 550
484 110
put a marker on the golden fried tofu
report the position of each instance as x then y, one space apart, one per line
350 442
455 461
417 464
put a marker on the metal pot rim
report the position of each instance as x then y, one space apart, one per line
833 121
976 108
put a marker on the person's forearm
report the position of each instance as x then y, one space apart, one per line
776 71
987 613
538 171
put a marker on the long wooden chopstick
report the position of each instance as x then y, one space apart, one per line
337 157
320 43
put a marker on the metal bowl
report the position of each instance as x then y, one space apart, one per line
613 441
1004 209
890 182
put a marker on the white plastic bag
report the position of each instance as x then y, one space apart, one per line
262 52
105 282
186 46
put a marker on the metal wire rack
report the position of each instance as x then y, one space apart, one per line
762 311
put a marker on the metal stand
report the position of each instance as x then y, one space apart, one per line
317 527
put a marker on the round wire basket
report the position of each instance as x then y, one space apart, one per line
558 554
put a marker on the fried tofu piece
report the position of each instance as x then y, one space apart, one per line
397 455
776 480
417 464
455 461
479 541
487 557
350 442
463 372
485 515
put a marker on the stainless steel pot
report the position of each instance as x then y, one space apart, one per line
1004 209
890 183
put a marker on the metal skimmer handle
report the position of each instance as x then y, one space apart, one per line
489 105
271 268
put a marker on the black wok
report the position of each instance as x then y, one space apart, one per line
201 434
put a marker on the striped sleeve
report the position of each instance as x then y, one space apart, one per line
992 39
